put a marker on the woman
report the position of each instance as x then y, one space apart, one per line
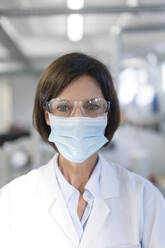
78 199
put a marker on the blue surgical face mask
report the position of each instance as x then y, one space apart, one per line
77 138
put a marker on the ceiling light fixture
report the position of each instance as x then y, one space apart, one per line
75 4
75 27
132 3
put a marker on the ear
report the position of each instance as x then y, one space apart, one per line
47 117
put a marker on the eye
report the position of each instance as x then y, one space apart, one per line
63 107
92 106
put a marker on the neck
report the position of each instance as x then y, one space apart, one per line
77 174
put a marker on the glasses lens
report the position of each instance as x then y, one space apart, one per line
95 107
90 108
60 107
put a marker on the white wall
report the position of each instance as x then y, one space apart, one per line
5 105
23 91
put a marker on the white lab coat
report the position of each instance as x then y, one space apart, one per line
130 212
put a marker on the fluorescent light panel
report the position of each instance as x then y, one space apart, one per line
75 4
132 3
75 27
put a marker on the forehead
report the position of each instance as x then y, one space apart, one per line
84 87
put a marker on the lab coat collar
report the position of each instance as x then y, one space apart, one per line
48 191
92 186
109 179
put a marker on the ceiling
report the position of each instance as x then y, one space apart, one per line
33 32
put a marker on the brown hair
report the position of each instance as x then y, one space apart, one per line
59 75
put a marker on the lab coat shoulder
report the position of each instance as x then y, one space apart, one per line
134 183
16 191
15 197
23 185
136 192
23 189
139 187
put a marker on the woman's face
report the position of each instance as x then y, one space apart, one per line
82 88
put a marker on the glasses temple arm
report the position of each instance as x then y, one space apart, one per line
108 106
48 106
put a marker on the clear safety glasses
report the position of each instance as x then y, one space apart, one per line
90 108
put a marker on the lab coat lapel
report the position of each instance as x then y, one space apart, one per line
61 216
49 191
96 221
102 204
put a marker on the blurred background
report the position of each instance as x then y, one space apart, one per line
127 35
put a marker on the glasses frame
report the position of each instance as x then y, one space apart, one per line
47 104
